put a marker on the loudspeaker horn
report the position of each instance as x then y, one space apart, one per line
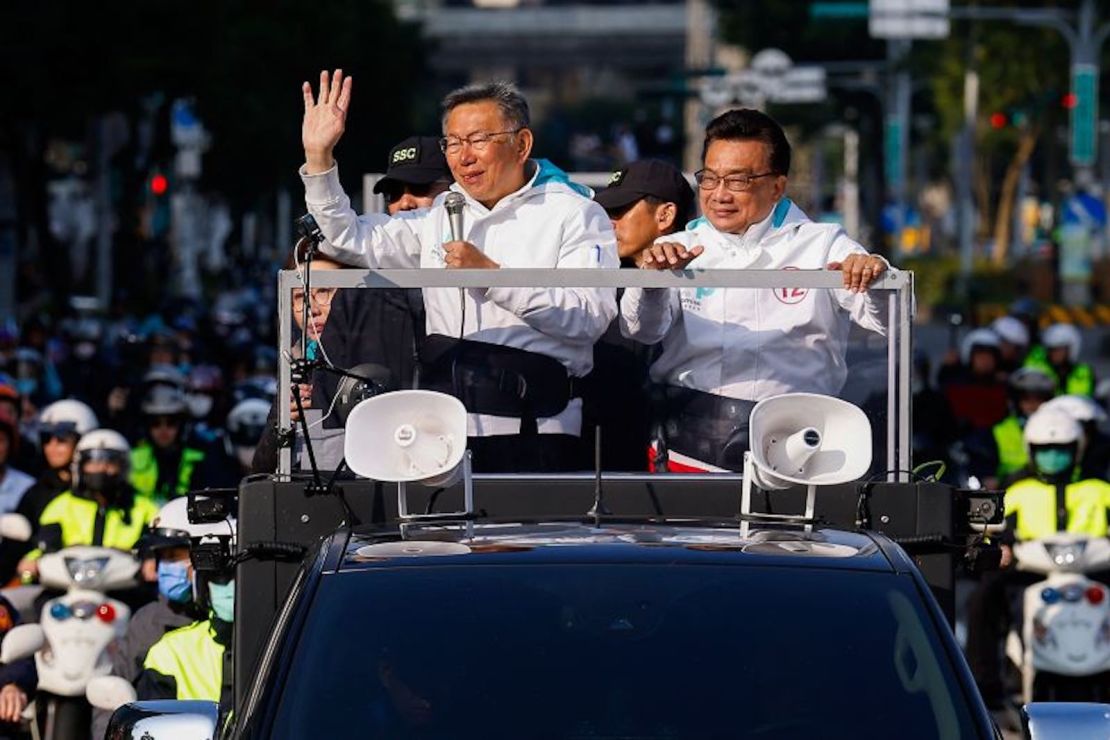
407 437
808 439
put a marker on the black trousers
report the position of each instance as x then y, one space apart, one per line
526 453
989 616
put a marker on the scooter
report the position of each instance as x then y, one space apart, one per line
74 631
1064 651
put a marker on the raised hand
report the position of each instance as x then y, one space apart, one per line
325 119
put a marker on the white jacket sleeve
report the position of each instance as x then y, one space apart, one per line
574 315
647 313
373 240
868 309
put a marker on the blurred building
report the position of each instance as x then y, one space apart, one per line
630 57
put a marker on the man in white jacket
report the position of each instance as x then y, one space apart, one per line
725 350
513 355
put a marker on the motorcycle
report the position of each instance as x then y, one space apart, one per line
70 641
1064 650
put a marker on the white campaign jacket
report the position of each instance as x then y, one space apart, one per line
754 343
544 224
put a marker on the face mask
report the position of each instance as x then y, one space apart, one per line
96 482
221 597
173 580
1052 461
199 405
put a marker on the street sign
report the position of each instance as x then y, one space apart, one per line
770 78
1084 115
909 19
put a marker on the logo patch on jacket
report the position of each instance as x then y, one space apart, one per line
790 296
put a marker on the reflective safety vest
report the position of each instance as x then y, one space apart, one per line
1008 439
84 522
1080 380
144 471
190 656
1034 503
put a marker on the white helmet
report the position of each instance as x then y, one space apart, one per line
173 526
1032 380
1063 335
1052 427
247 421
1080 408
101 444
67 416
1011 330
977 338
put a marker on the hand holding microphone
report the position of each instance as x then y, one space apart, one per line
458 253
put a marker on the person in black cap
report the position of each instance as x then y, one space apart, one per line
645 200
417 173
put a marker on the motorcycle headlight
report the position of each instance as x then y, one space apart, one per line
1066 555
86 571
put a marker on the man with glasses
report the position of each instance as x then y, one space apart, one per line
725 350
417 173
513 355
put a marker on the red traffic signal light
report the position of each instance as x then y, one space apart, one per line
998 120
159 184
1070 100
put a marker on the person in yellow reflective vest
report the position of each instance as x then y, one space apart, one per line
1059 357
162 464
999 458
101 509
1052 498
194 661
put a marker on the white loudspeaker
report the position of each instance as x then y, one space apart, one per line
407 437
808 439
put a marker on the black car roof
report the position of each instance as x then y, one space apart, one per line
620 542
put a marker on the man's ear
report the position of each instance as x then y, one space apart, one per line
779 187
665 216
524 141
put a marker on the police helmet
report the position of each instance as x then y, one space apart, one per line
172 527
1032 380
977 339
167 375
1051 427
1011 330
1063 335
101 444
247 422
164 400
68 417
1081 408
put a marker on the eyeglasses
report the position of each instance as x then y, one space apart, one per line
320 296
478 142
733 183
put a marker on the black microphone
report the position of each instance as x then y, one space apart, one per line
454 203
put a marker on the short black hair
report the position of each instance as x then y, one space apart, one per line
513 106
745 124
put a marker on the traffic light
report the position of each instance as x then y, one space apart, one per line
159 184
998 120
1069 100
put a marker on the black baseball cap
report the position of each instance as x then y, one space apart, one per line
417 160
652 177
